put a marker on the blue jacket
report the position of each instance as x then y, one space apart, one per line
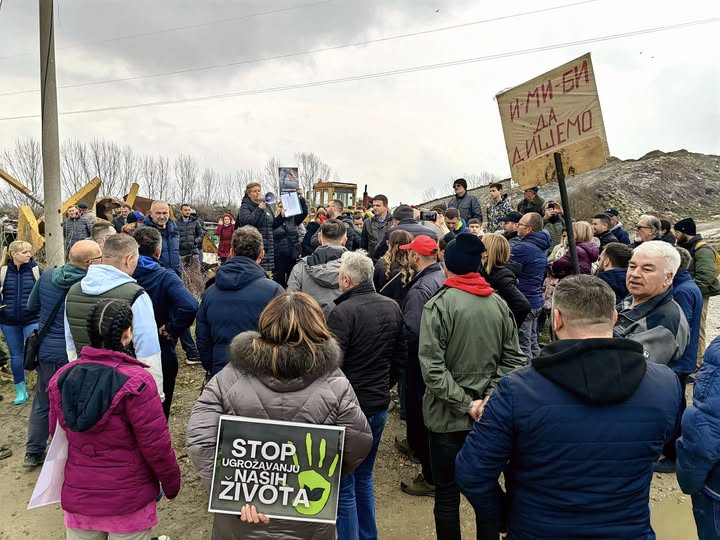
688 296
18 285
170 254
698 449
616 279
531 254
576 435
50 288
621 234
230 306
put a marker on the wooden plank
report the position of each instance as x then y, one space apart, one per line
134 190
28 229
87 194
19 186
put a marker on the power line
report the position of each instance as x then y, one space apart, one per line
311 51
179 28
380 74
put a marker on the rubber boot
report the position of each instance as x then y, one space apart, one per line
22 395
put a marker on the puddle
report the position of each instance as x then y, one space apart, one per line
672 519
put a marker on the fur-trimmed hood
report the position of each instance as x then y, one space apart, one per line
295 368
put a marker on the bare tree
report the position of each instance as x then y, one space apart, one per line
269 173
74 170
483 178
186 175
311 169
24 163
104 161
208 187
429 194
129 170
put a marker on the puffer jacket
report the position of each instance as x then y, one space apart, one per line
76 229
119 449
587 253
318 275
170 253
531 254
698 449
263 220
304 391
504 281
16 289
576 435
191 234
687 295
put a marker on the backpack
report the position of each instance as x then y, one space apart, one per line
717 256
3 275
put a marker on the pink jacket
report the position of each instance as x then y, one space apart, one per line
119 445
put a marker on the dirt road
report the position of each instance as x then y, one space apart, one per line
399 516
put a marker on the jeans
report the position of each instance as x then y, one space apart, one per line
706 512
528 334
38 428
15 337
356 506
444 448
188 345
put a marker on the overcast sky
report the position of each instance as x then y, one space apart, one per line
398 134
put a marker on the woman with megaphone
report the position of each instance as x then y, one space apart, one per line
255 211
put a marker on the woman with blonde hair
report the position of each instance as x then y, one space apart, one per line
499 272
256 212
394 271
587 252
289 370
18 276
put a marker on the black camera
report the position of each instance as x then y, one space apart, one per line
426 215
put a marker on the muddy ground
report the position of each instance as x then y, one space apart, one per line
399 516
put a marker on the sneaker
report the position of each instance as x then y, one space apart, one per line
665 465
33 460
192 361
418 487
403 446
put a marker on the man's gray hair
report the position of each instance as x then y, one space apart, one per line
658 248
651 221
357 266
584 300
118 246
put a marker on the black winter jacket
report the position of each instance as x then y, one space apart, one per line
605 238
191 235
264 221
504 281
369 328
285 234
410 225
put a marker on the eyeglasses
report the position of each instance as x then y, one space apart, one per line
98 258
638 227
520 224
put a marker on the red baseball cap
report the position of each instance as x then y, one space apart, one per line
422 245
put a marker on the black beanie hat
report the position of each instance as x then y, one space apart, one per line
403 211
463 255
686 226
462 182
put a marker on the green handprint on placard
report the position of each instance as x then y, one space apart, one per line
316 485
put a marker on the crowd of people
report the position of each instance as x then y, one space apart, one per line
569 382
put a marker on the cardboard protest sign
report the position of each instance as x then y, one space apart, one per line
558 111
289 179
286 469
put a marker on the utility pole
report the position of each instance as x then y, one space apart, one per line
54 247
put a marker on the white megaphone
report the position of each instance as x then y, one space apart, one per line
270 197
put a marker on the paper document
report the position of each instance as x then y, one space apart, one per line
291 203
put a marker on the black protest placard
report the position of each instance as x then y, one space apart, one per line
286 469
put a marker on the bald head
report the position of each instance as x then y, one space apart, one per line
160 213
84 253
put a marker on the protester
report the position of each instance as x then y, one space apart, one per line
336 211
18 276
404 218
239 283
100 231
554 222
289 370
134 220
497 269
88 214
358 222
617 226
649 315
454 224
531 254
119 449
532 202
191 231
587 252
666 232
612 268
703 269
254 211
173 305
369 330
311 231
465 317
510 227
112 279
687 295
120 221
318 274
287 240
559 250
75 228
467 205
601 224
224 231
647 230
48 298
394 271
575 433
474 225
697 450
374 227
499 207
